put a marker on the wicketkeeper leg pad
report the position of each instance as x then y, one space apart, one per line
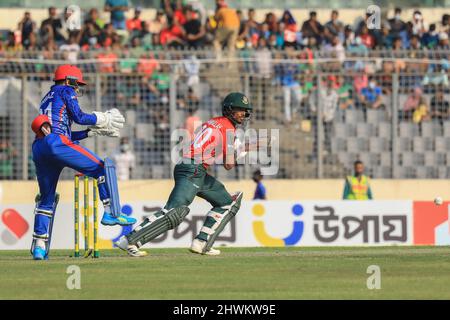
157 224
44 217
111 182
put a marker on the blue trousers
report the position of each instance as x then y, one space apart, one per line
51 155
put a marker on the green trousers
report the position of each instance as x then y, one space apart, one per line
192 180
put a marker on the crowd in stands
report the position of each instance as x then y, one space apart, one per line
185 24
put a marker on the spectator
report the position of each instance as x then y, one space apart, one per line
373 34
194 30
95 19
12 46
227 29
192 69
334 28
198 7
386 37
72 20
179 14
116 44
49 49
134 25
443 41
327 99
290 29
241 40
312 28
271 21
357 187
349 36
286 75
419 26
437 74
124 160
147 64
89 36
444 25
275 41
440 107
335 50
358 49
367 39
136 50
251 24
128 93
158 23
397 25
414 43
173 35
7 155
360 80
430 39
107 61
51 27
117 9
162 84
27 27
71 49
260 191
422 112
263 57
345 92
106 36
411 104
32 43
371 96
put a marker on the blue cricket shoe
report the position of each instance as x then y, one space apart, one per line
39 254
122 220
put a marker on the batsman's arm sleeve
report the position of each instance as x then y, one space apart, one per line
71 101
79 135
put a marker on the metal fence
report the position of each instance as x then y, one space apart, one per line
391 113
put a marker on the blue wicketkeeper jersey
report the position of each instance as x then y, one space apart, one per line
60 104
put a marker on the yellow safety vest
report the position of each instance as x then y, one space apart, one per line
358 188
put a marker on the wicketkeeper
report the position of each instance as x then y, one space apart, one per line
56 146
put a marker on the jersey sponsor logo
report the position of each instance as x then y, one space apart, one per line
265 239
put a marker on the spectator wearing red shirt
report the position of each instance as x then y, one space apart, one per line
290 29
179 14
172 35
367 39
135 24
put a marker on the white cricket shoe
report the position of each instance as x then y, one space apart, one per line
131 249
197 246
134 251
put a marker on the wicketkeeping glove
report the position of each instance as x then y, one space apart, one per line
110 119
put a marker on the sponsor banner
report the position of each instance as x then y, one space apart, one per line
431 223
258 223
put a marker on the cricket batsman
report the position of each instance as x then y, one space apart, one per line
56 146
211 143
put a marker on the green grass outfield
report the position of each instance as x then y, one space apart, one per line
238 273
